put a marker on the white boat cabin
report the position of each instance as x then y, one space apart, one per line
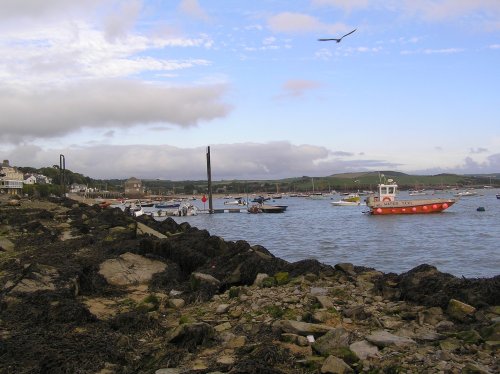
387 192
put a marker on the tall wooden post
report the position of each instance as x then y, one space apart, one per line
62 172
209 178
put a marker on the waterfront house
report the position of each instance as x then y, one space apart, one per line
134 188
11 180
36 179
77 188
29 179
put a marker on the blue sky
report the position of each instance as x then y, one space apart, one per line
141 87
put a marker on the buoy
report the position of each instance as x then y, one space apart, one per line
414 209
445 206
481 209
425 207
434 206
379 210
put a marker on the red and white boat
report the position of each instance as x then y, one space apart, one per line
385 202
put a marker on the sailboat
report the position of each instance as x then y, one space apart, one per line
315 195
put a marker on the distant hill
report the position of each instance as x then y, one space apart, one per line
340 182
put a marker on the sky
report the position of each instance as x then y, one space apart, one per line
140 88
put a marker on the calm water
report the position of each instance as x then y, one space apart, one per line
460 241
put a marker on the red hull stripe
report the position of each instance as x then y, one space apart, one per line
417 209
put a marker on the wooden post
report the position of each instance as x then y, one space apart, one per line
209 177
62 172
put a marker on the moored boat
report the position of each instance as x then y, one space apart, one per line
385 202
264 208
352 199
466 193
345 203
236 202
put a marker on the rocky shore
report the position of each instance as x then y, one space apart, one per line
85 289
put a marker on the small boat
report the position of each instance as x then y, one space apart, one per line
167 205
134 210
465 193
264 208
417 193
272 208
345 203
384 202
236 202
260 199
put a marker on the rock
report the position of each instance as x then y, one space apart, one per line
473 368
130 269
428 335
259 279
176 303
330 342
318 291
347 268
301 328
42 278
335 365
226 360
491 332
6 245
431 316
325 301
236 342
363 349
14 202
460 311
450 344
205 278
222 308
382 338
169 371
469 337
223 327
357 312
191 335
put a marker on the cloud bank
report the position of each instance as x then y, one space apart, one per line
105 103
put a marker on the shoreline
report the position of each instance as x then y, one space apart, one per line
87 276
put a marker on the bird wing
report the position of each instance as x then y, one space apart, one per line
349 33
327 39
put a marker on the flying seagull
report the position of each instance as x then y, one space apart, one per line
337 40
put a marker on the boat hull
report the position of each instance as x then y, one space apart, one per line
345 203
427 206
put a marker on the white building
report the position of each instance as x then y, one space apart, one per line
29 179
11 180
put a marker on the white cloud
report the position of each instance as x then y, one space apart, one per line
436 10
485 12
445 51
347 5
229 161
442 51
193 9
35 9
298 87
105 104
120 22
75 50
288 22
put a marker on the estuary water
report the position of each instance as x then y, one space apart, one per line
461 241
